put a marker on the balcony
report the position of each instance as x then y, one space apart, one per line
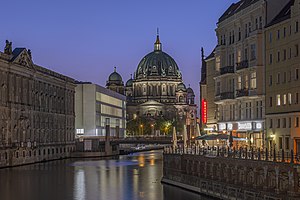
226 95
242 93
242 65
227 70
246 92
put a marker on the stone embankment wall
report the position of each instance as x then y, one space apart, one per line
232 178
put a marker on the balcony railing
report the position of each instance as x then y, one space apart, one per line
227 95
242 93
227 70
242 65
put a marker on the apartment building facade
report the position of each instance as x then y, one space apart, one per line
282 79
240 69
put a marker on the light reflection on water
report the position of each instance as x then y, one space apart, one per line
132 177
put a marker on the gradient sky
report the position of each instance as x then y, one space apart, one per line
86 39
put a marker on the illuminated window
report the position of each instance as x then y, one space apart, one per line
278 99
284 99
108 110
246 84
253 80
80 131
296 122
239 82
289 98
108 99
218 63
239 56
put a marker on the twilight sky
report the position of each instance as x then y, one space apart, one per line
86 39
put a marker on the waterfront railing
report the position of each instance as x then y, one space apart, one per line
244 153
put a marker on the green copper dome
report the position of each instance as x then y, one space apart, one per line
129 83
115 76
157 63
181 86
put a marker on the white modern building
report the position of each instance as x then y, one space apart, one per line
96 108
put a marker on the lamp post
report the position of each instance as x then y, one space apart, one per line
142 129
152 129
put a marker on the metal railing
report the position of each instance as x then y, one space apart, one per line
242 65
226 70
227 95
257 154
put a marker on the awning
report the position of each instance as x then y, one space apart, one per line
218 137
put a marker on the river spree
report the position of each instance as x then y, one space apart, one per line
131 177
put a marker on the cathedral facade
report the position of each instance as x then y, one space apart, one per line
157 91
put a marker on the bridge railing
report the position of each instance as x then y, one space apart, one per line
266 154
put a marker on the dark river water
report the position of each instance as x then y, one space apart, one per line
131 177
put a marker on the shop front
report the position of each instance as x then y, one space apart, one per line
250 132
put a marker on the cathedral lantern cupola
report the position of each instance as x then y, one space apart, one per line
157 44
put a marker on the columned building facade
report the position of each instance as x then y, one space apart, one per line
36 110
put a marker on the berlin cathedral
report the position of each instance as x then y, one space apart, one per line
157 91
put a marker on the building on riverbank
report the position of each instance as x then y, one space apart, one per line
282 79
157 96
239 69
99 111
208 109
36 110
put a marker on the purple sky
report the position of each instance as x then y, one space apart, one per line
86 39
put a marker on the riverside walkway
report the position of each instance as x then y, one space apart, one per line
234 174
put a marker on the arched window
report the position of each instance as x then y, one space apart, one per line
163 88
181 99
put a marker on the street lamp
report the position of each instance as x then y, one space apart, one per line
142 128
152 129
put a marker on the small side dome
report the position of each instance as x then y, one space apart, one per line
115 76
190 90
129 83
181 86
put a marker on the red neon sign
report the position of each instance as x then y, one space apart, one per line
204 111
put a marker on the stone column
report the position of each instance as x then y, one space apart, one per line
107 137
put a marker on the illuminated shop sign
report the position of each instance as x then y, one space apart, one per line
245 126
204 111
222 126
258 125
229 126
